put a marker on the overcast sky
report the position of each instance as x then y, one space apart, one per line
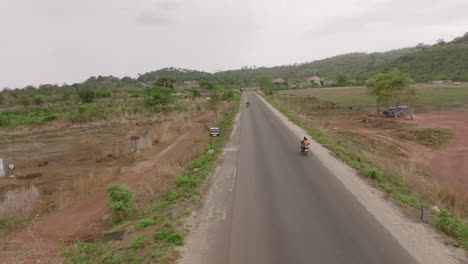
56 41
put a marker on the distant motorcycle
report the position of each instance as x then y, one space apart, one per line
304 149
247 104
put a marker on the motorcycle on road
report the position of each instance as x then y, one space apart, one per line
305 149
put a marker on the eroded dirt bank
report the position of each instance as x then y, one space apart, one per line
40 241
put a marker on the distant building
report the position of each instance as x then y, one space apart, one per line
314 79
441 82
190 83
278 81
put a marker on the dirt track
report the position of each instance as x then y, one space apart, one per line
40 243
449 165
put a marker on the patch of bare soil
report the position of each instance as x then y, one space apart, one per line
39 242
449 165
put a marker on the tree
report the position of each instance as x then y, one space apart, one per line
390 87
167 82
120 200
157 95
25 101
441 42
205 84
228 94
38 100
266 85
342 80
194 92
421 46
86 95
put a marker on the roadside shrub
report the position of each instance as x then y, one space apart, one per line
120 200
134 92
187 180
86 113
373 172
228 95
166 82
38 100
207 85
157 96
145 223
138 242
167 223
66 96
163 234
4 120
49 118
453 226
216 93
176 239
102 93
86 95
25 101
194 93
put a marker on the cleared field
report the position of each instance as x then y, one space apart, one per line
431 97
405 150
420 161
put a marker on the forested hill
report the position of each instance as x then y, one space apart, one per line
347 64
178 74
443 61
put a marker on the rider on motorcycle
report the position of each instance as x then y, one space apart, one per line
247 104
304 142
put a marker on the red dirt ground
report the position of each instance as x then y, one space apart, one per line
40 243
449 165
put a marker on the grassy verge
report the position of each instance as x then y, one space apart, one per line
393 185
154 231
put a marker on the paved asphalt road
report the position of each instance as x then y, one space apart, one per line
287 208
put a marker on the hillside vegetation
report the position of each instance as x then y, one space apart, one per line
443 61
347 64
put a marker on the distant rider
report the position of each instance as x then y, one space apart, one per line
247 104
304 142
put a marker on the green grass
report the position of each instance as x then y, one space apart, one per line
431 97
431 137
453 226
145 223
138 242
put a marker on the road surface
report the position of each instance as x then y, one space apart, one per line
287 208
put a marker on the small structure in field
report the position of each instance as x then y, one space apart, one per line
401 111
190 83
315 79
278 81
